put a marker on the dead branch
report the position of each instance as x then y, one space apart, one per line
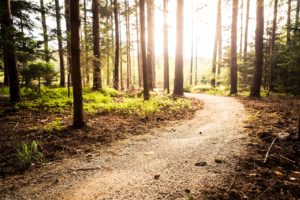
270 147
266 190
231 183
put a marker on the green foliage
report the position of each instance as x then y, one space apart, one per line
56 125
28 153
38 71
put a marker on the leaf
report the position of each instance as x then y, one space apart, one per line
278 173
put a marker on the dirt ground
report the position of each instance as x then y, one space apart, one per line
269 119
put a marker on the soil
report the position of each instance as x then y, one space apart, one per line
277 175
178 161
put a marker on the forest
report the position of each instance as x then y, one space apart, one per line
149 99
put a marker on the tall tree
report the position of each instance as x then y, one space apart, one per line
97 80
259 50
217 43
138 45
233 57
60 44
128 43
150 46
178 82
108 47
246 31
272 46
166 48
78 121
45 31
192 47
288 24
86 70
9 51
143 50
241 29
297 16
68 32
117 46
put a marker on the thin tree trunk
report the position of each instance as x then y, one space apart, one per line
241 29
288 26
216 44
220 44
10 53
121 55
60 44
78 121
233 61
86 67
297 17
143 50
107 50
150 47
259 52
166 48
97 80
45 32
192 47
178 82
246 31
272 46
68 32
140 70
128 44
117 46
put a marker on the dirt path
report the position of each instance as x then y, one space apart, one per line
158 165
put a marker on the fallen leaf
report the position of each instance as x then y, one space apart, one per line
278 173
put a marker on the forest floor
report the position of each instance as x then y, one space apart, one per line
217 154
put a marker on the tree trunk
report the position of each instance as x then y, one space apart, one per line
192 47
86 62
272 46
246 31
68 31
220 44
297 17
241 29
128 44
78 121
107 50
140 70
178 82
6 78
143 50
288 25
45 32
259 52
233 59
150 47
10 53
166 48
216 44
117 46
121 56
97 81
60 44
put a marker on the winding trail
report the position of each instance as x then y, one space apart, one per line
161 164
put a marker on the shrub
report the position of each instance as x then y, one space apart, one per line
28 153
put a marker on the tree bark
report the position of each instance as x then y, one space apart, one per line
10 53
60 44
86 70
107 50
233 58
68 32
143 50
241 29
178 82
259 50
97 80
192 47
140 70
45 32
166 48
78 121
246 31
297 17
272 46
117 46
150 47
128 44
288 24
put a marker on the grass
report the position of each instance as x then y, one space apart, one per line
96 102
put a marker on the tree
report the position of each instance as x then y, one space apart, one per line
9 51
97 81
60 45
259 53
78 121
117 46
288 24
166 49
86 70
150 46
272 46
138 45
45 32
297 17
68 32
178 82
233 57
241 29
128 43
246 31
192 46
217 43
143 50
